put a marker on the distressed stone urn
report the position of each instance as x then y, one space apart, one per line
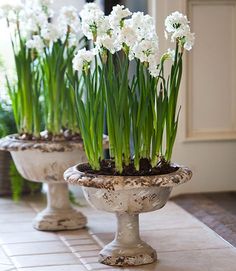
46 162
127 197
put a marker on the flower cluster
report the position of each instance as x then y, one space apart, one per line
121 30
177 25
40 26
133 33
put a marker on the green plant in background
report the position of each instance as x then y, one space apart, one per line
55 42
25 90
18 184
141 109
43 44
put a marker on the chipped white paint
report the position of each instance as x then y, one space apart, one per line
127 197
45 162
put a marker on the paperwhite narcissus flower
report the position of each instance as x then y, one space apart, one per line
50 32
36 43
93 20
82 58
127 35
146 50
109 42
175 21
10 10
32 19
189 41
69 16
178 25
119 12
142 24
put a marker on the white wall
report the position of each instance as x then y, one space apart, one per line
206 140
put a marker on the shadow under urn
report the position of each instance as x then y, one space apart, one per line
127 197
46 161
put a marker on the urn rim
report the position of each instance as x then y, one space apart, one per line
110 182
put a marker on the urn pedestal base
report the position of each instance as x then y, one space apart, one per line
59 214
127 249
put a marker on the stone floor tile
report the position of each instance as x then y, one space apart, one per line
56 268
3 257
183 239
88 260
4 201
160 221
176 239
7 267
14 217
78 242
11 227
89 253
85 248
196 260
15 208
74 235
24 237
35 248
98 266
45 260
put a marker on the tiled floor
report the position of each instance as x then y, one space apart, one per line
182 242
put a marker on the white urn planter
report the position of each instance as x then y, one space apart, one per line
127 197
46 162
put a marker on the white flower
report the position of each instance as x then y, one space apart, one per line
143 25
128 36
146 50
90 8
109 42
32 19
94 22
189 41
11 10
153 69
50 32
69 17
175 21
36 43
178 25
82 58
119 12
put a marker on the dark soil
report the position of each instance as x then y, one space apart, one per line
65 135
108 168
